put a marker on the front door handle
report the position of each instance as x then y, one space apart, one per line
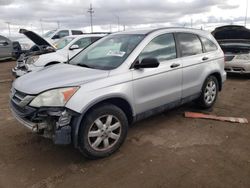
175 65
205 58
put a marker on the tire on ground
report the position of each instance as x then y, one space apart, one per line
88 124
202 100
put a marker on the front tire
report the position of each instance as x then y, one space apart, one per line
209 92
102 131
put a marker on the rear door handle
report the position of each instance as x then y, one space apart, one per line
205 58
175 65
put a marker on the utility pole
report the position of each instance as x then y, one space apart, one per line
191 23
58 24
91 12
246 13
110 28
8 27
118 23
41 24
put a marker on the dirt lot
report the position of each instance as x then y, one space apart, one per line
163 151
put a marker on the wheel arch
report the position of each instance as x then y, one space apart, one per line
217 75
115 100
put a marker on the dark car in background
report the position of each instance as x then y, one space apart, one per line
9 49
235 42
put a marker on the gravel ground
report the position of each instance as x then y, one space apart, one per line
166 150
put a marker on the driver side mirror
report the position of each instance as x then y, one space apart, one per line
147 63
74 47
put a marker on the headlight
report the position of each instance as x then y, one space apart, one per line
32 59
56 97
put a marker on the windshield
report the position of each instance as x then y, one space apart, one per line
60 44
109 53
49 33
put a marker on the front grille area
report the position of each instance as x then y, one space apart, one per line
22 111
229 57
21 99
19 103
238 69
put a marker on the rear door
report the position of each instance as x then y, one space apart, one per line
5 47
156 87
193 61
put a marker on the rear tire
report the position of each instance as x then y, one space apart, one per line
102 131
209 92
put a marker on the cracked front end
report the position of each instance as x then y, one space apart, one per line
49 122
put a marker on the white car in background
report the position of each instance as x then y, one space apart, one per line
64 49
51 36
54 35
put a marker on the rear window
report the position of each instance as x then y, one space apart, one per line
190 44
209 46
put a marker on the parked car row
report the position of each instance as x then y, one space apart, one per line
235 42
47 54
51 36
122 78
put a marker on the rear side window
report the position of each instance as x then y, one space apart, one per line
209 46
190 44
161 48
76 32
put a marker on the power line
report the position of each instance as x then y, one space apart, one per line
91 12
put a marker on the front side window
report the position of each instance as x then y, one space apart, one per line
162 48
60 44
63 33
109 53
209 46
190 44
49 33
83 43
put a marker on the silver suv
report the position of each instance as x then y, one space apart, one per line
120 79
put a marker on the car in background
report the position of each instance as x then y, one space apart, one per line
235 42
54 35
9 49
50 36
122 78
65 49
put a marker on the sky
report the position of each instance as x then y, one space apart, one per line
114 15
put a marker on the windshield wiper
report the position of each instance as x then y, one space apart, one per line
84 65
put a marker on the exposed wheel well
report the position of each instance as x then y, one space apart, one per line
218 77
51 63
119 102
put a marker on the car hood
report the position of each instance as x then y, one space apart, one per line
38 40
232 33
60 75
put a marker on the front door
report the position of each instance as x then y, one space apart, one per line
156 87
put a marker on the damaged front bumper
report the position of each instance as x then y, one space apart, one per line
52 123
17 72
